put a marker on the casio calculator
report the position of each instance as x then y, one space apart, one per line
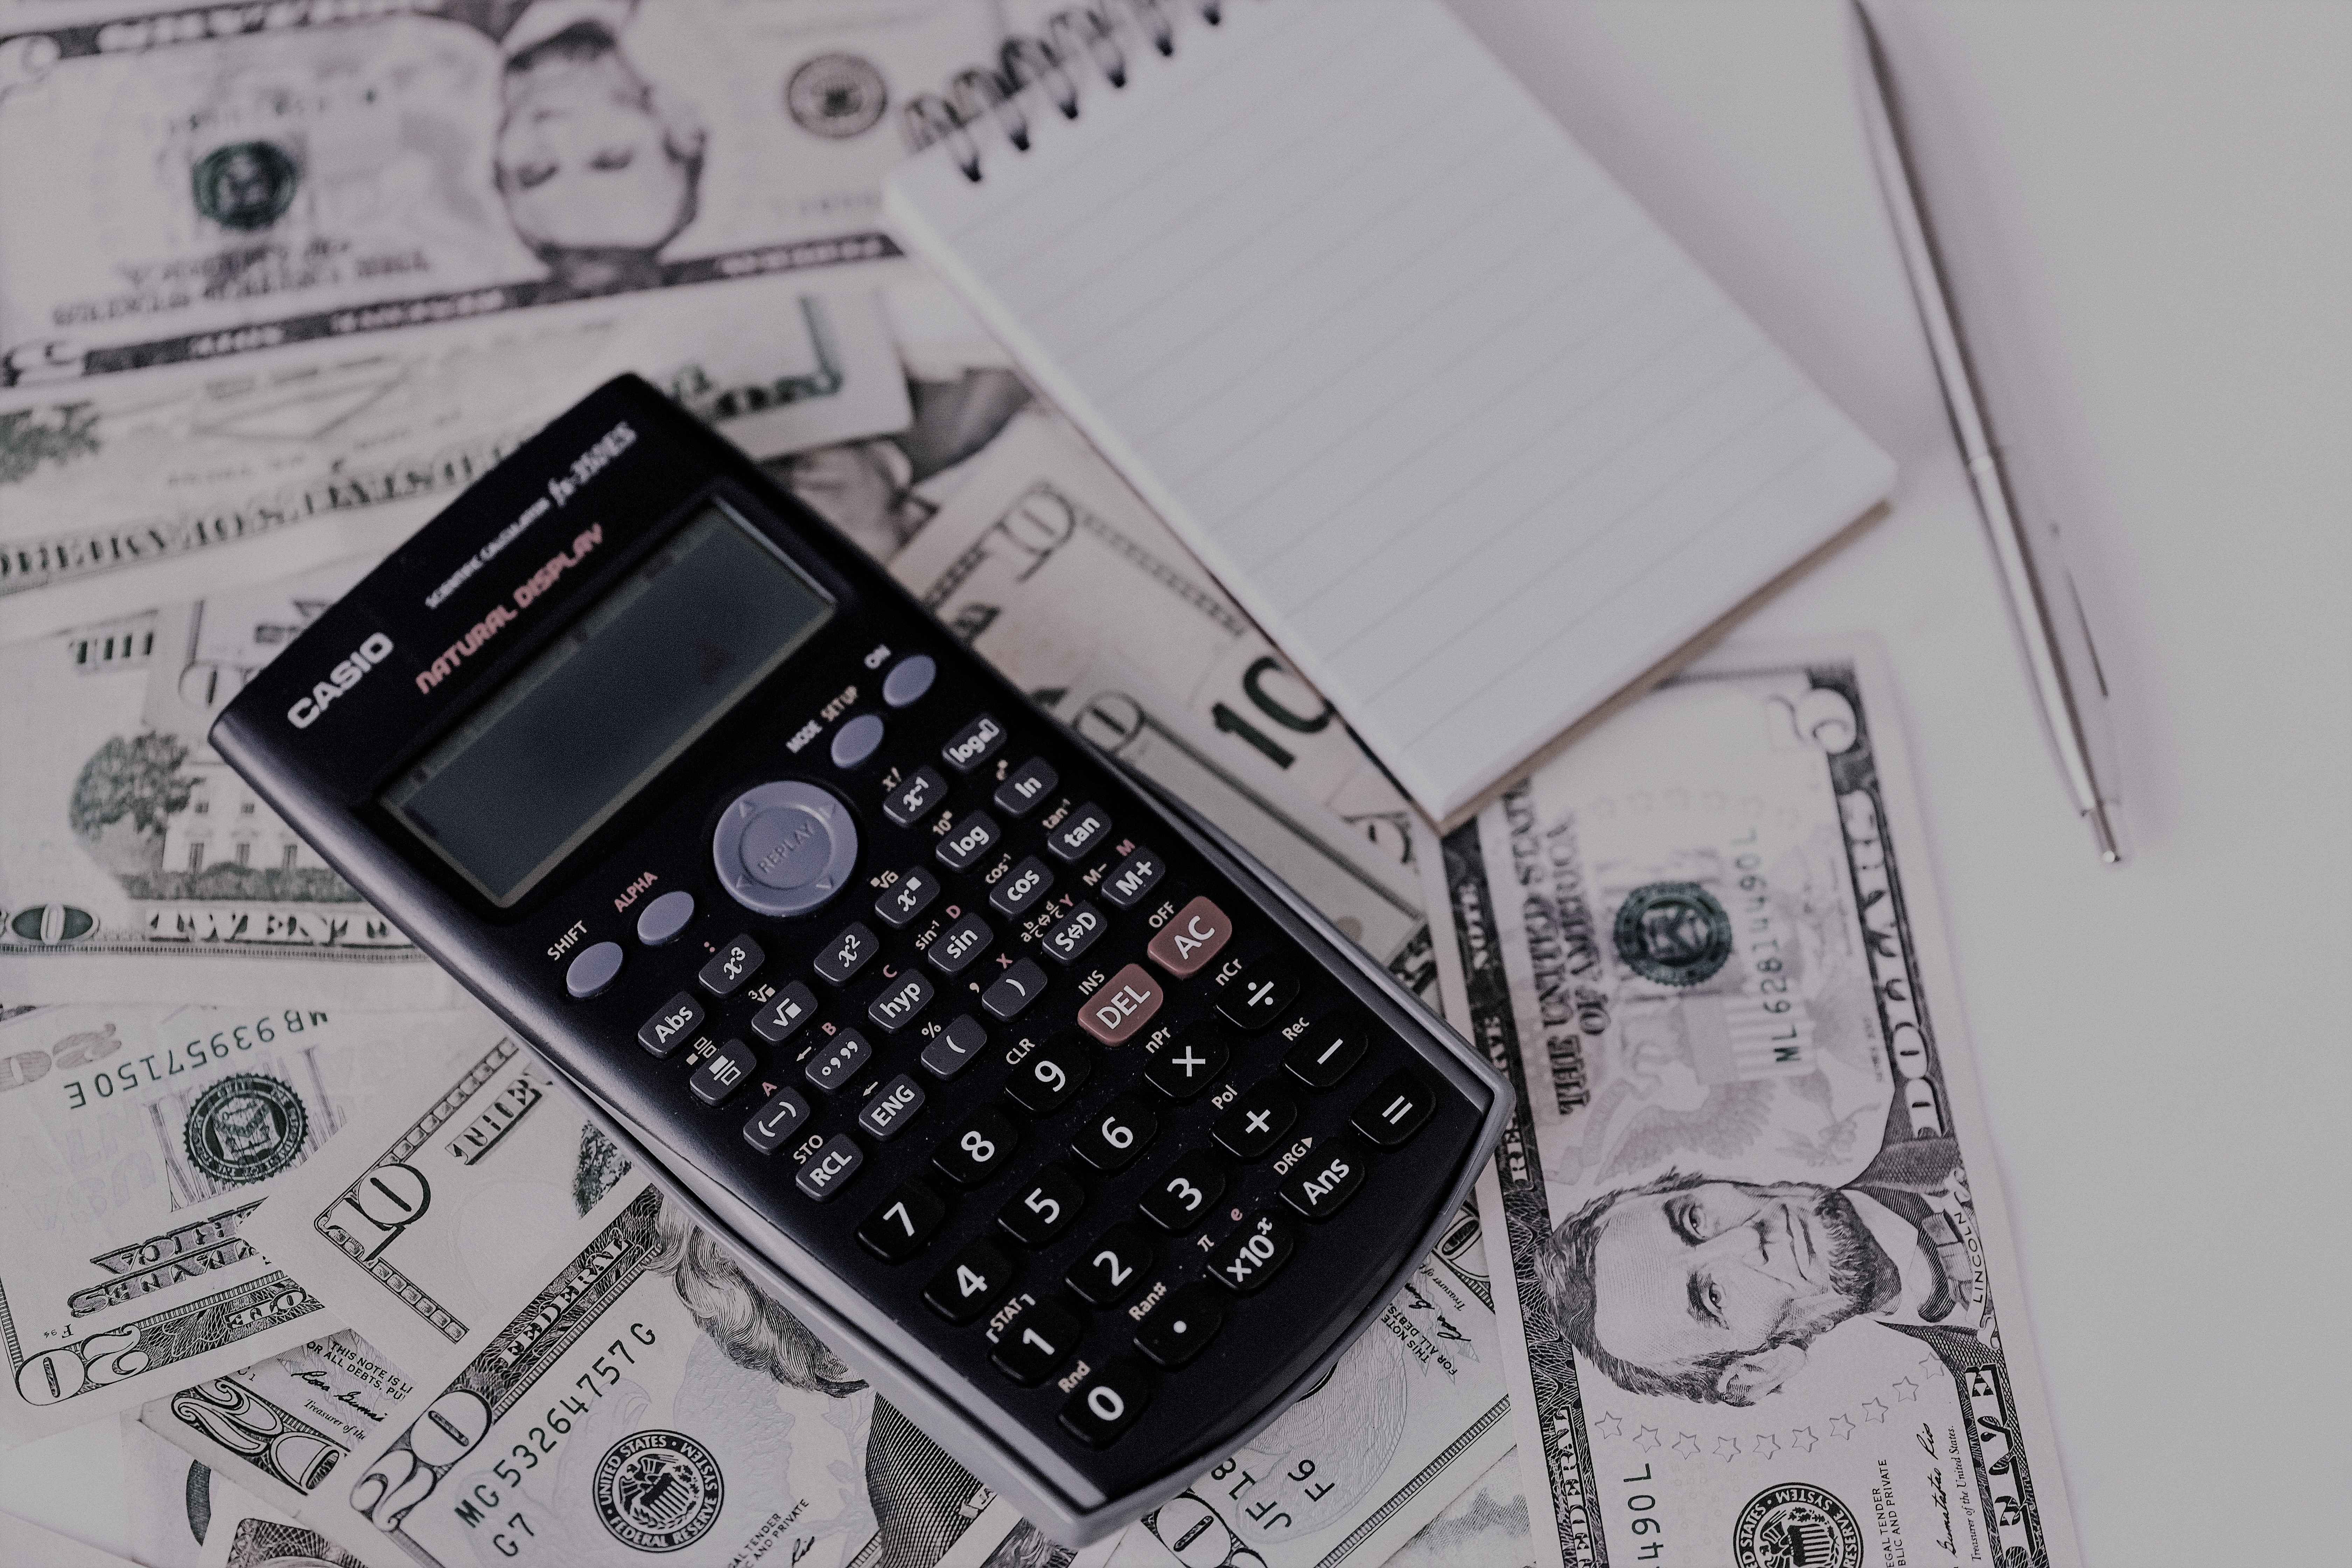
1084 1139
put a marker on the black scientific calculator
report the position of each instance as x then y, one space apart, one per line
1086 1142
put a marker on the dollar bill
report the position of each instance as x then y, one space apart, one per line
255 1539
1048 565
644 1398
134 865
426 1223
169 1497
281 1427
179 478
1486 1527
141 1140
1412 1413
1763 1302
221 182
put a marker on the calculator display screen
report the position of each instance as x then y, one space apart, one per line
569 737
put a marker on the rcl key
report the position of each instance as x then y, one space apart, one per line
1246 1259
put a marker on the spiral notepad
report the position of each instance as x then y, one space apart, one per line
1473 439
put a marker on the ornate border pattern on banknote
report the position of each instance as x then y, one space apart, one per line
1921 1105
363 1251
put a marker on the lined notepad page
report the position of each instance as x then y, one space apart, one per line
1458 424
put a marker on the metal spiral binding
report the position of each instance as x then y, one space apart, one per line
1091 33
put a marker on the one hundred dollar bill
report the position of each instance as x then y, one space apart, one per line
221 182
134 865
428 1221
186 476
142 1139
1763 1303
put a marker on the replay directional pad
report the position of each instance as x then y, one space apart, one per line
784 848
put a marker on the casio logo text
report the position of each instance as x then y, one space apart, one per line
340 679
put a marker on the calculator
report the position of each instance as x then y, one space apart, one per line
1086 1142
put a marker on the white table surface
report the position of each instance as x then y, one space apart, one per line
2148 209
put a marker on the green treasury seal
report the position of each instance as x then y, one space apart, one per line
657 1491
246 1128
245 186
1673 933
1796 1526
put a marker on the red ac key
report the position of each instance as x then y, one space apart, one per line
1186 943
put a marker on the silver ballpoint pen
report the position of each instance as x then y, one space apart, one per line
2067 678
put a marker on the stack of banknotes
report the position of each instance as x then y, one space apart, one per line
288 1221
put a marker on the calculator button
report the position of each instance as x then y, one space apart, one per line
909 895
1106 1406
1013 989
1039 1215
1048 1075
1079 834
730 966
1184 1193
1018 891
852 947
666 917
903 1222
1318 1186
1326 1055
1109 1268
896 1008
793 1006
1034 1344
977 1150
1132 877
1116 1133
1122 1006
722 1072
888 1108
1244 1261
1075 932
968 840
781 1119
909 680
784 849
828 1170
1394 1112
1258 994
838 1060
973 744
955 1048
952 950
1027 790
965 1288
916 799
1185 944
1181 1328
1253 1124
672 1026
593 970
857 741
1191 1065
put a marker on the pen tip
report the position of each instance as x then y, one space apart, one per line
2106 829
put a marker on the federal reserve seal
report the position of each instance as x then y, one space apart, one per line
657 1491
838 96
1673 933
246 1128
1796 1526
246 186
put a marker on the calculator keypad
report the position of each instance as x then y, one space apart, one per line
1151 1129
